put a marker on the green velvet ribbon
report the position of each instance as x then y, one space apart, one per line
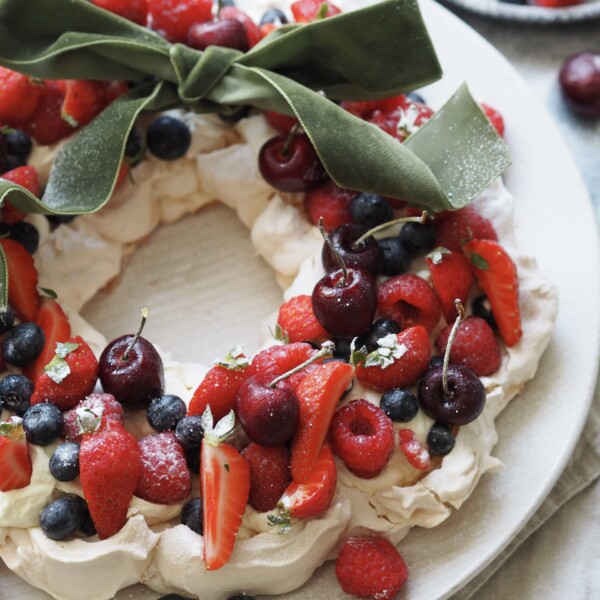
299 70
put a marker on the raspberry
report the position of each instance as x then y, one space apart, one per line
461 226
165 478
494 116
370 567
297 319
417 455
172 18
363 437
330 202
475 346
111 411
269 475
409 300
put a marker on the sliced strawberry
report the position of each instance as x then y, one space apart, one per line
22 281
415 453
305 11
312 498
26 177
494 116
134 10
15 462
18 97
330 202
56 328
318 394
497 275
225 483
83 101
46 124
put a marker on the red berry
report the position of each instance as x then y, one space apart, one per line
458 227
111 411
554 3
415 352
15 462
83 101
46 124
475 346
18 97
134 10
115 89
415 453
297 319
363 437
227 33
330 202
253 35
580 83
305 11
269 475
26 177
283 123
409 300
277 360
165 478
22 281
494 116
173 18
370 567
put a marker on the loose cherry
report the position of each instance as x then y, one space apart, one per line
580 83
228 33
366 255
131 369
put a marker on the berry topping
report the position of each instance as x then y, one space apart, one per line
458 227
396 259
104 404
62 517
83 101
363 437
277 360
580 83
399 405
298 322
134 10
417 238
364 255
18 97
305 11
42 423
380 329
25 234
22 344
370 210
165 478
370 567
165 412
440 440
191 514
227 33
173 18
494 116
417 455
64 462
329 202
46 125
26 177
15 462
168 138
253 35
15 393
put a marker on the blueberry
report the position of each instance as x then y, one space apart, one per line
417 238
228 3
274 15
241 112
165 412
64 462
189 431
134 147
87 525
62 517
436 361
42 423
57 220
14 162
168 138
399 405
482 309
23 344
15 393
7 319
440 439
396 259
378 330
370 210
191 515
192 459
414 97
19 144
25 234
342 348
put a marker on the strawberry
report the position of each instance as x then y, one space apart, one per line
15 462
417 455
409 300
253 35
370 567
497 275
26 177
452 278
22 281
297 319
309 499
46 124
225 487
115 89
269 475
318 394
453 229
330 202
220 386
69 377
266 29
83 101
109 407
110 466
398 363
403 120
277 360
494 116
134 10
56 328
172 18
283 123
18 97
165 478
305 11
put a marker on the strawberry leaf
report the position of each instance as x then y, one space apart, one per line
234 360
479 261
58 368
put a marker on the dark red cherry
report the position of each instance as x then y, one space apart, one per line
464 401
365 255
269 415
135 376
290 165
345 304
580 83
228 33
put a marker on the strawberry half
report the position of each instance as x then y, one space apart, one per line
497 275
15 462
22 281
83 101
18 97
305 11
26 177
318 394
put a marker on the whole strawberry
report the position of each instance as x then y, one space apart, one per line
104 404
297 319
15 462
110 467
69 377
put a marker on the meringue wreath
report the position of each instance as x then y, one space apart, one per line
284 73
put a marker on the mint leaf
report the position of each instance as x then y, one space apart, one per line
234 360
388 352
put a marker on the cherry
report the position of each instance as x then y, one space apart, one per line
228 33
365 255
580 83
290 163
131 369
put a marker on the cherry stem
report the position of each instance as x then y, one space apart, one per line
333 249
291 137
461 317
136 337
326 350
384 226
219 7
